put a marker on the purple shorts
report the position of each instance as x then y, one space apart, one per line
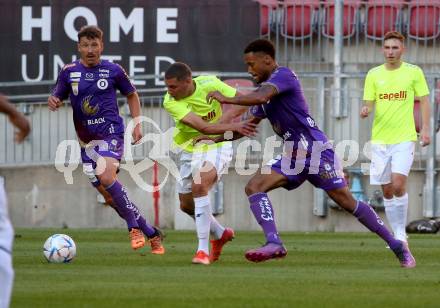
111 146
323 172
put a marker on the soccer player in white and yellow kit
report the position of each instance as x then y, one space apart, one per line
201 165
392 88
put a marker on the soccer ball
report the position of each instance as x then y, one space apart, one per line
59 248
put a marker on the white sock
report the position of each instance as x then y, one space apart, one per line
202 212
391 213
401 209
216 228
6 278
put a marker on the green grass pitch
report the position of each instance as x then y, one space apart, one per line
321 270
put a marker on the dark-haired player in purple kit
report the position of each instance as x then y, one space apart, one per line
91 85
307 153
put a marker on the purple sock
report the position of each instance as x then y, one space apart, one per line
146 228
117 211
369 218
124 205
263 212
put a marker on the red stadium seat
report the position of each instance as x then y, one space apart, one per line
267 15
350 18
424 19
299 18
382 16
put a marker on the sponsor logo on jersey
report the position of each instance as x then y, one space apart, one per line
104 75
330 172
209 116
87 108
75 74
102 84
310 121
398 96
96 121
287 135
75 88
89 76
102 70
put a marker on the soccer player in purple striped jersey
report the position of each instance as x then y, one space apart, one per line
91 83
280 99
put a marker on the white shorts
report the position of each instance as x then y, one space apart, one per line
6 230
390 158
191 163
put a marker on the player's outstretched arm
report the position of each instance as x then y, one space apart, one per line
257 97
16 118
227 136
54 103
246 128
425 132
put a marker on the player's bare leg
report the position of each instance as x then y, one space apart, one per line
187 203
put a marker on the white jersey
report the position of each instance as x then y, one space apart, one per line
6 233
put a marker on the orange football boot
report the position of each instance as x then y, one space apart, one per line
137 238
217 245
201 258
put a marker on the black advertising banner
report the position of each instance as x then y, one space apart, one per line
38 37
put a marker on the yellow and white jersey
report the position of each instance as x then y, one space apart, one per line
393 92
